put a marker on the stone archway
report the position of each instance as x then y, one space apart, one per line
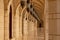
23 16
18 23
7 21
29 27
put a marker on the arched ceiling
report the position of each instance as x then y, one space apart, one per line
38 6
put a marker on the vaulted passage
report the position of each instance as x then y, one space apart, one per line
29 19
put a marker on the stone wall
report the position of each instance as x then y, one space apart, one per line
54 19
24 25
1 20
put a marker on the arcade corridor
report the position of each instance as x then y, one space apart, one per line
30 20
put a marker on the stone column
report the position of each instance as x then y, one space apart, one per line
17 24
6 24
29 27
32 27
20 23
25 26
46 20
35 29
1 20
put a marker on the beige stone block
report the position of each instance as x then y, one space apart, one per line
58 15
58 6
58 37
52 26
52 6
6 25
58 26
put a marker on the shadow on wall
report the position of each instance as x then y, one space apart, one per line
41 24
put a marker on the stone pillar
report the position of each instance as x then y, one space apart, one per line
6 20
31 27
25 26
6 24
35 29
1 20
46 20
17 24
20 23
